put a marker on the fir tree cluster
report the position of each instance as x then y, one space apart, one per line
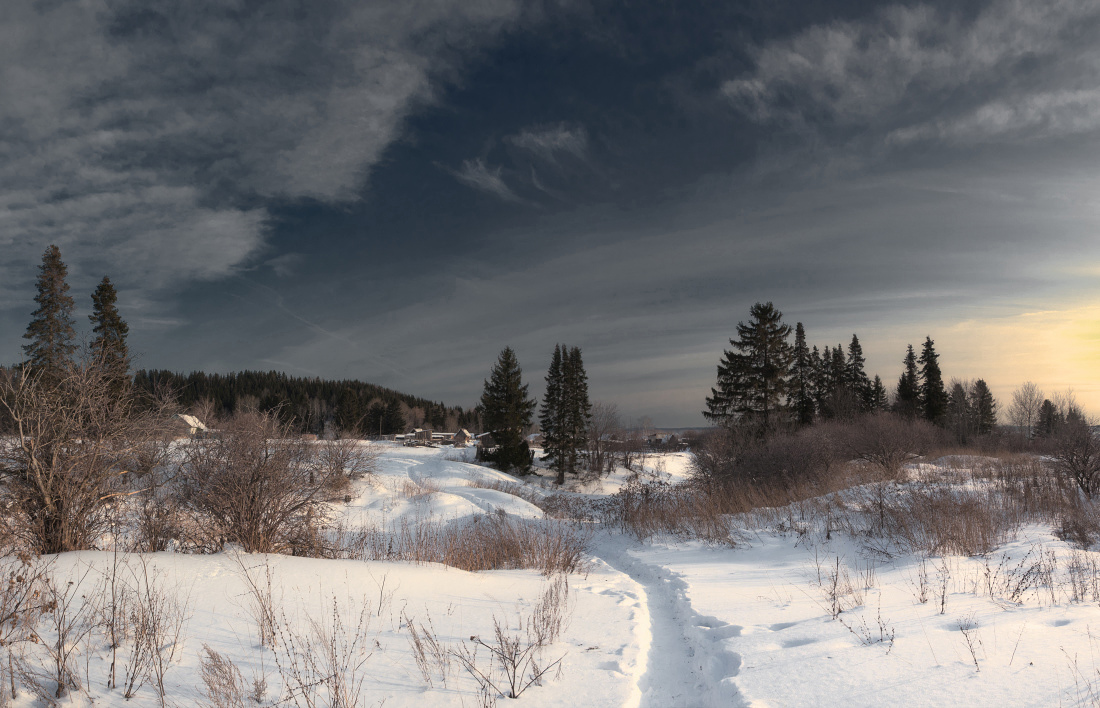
52 335
566 411
765 381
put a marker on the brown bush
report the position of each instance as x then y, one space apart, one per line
1076 452
488 542
887 440
256 484
76 440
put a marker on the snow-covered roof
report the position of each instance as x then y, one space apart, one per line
191 421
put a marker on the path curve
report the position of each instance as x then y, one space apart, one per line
688 663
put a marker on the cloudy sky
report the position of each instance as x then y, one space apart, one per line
395 191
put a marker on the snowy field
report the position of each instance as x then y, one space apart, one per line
779 619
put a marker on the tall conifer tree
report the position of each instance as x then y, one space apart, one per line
507 411
858 382
551 421
109 345
50 332
578 409
933 394
985 407
802 384
753 380
879 398
907 400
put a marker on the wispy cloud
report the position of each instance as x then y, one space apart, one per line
547 141
476 174
149 139
1014 69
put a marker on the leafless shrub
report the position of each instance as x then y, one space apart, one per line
514 660
1076 452
734 456
882 633
922 581
551 613
433 657
158 617
840 594
936 519
1079 524
324 666
225 687
114 610
343 460
887 440
256 485
1083 573
488 542
601 429
75 441
69 627
969 629
23 601
945 579
261 601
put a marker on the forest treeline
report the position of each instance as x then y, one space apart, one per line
309 405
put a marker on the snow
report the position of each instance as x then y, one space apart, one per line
661 623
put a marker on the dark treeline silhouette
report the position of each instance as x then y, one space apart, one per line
765 383
310 405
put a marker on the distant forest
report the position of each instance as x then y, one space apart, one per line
311 405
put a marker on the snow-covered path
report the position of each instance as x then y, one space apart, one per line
688 662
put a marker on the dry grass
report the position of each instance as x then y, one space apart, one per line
955 501
489 542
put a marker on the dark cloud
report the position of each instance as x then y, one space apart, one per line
395 191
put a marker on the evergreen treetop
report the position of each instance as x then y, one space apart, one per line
50 331
933 393
551 417
802 378
907 398
986 407
507 411
752 381
109 345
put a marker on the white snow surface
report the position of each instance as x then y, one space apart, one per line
663 623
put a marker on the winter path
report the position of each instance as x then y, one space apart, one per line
688 662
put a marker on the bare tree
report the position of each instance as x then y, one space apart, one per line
605 421
1076 453
257 484
887 440
1024 411
344 459
75 443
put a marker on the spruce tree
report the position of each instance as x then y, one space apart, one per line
856 376
819 377
393 420
985 407
753 380
349 412
958 413
802 385
507 411
933 394
51 329
109 346
1050 419
907 399
551 416
879 398
577 409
